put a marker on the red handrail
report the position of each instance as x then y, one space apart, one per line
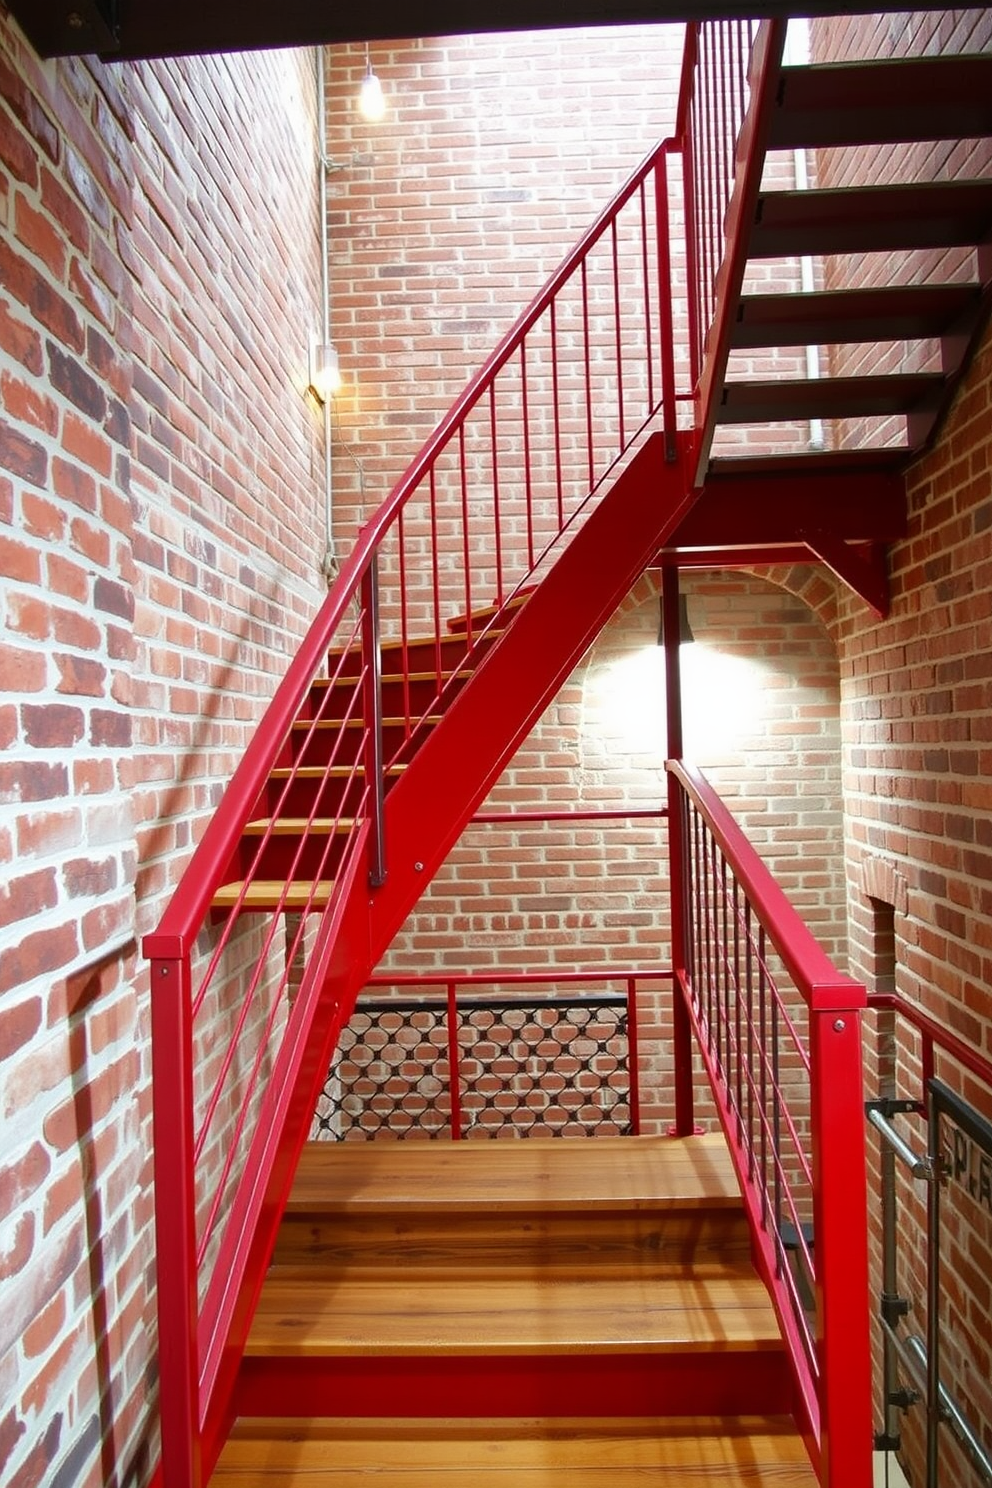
779 1032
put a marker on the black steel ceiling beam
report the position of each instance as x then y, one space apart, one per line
125 30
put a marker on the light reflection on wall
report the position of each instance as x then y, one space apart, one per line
721 702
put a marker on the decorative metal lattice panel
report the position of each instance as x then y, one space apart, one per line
536 1067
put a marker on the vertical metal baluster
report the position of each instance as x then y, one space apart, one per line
404 627
763 1067
528 474
438 667
497 518
454 1064
634 1073
666 322
618 334
588 366
777 1101
466 538
646 291
372 708
557 413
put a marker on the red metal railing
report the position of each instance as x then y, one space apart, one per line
451 1010
780 1033
504 480
728 76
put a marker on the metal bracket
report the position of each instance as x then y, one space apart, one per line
889 1107
61 28
893 1307
884 1442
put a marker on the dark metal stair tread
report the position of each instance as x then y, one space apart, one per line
835 316
533 1452
757 402
812 462
540 1173
939 214
883 102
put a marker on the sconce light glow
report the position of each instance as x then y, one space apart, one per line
371 102
325 371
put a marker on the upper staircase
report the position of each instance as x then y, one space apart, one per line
543 1312
925 301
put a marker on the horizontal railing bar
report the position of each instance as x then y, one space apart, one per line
816 978
956 1419
919 1165
515 978
505 818
499 1004
942 1037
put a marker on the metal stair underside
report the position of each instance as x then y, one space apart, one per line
858 104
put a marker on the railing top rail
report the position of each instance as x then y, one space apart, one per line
498 358
520 978
819 983
974 1062
182 919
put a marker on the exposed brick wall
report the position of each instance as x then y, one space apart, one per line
594 895
160 535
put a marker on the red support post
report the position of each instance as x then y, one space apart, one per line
681 1024
632 1058
175 1223
840 1224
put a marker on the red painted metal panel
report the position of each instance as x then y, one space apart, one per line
682 1384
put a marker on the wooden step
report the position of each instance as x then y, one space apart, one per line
635 1199
789 399
514 1310
297 826
835 316
882 102
459 625
324 725
706 1452
323 772
265 894
866 219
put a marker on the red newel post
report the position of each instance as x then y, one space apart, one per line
682 1042
841 1229
175 1223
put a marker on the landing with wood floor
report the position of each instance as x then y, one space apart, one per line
535 1312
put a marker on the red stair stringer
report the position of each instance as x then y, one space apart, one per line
438 793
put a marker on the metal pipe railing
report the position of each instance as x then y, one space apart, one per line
779 1032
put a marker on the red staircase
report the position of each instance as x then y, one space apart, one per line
559 475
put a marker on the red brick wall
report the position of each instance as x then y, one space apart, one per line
160 533
594 895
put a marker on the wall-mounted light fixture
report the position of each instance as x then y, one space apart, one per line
325 371
371 101
686 636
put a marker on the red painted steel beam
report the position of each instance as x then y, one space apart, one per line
866 575
758 510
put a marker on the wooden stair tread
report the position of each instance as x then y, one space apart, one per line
267 893
514 1313
459 625
552 1174
711 1452
939 214
296 826
394 678
305 725
785 399
882 102
323 772
833 316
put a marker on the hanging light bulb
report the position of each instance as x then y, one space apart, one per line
371 103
